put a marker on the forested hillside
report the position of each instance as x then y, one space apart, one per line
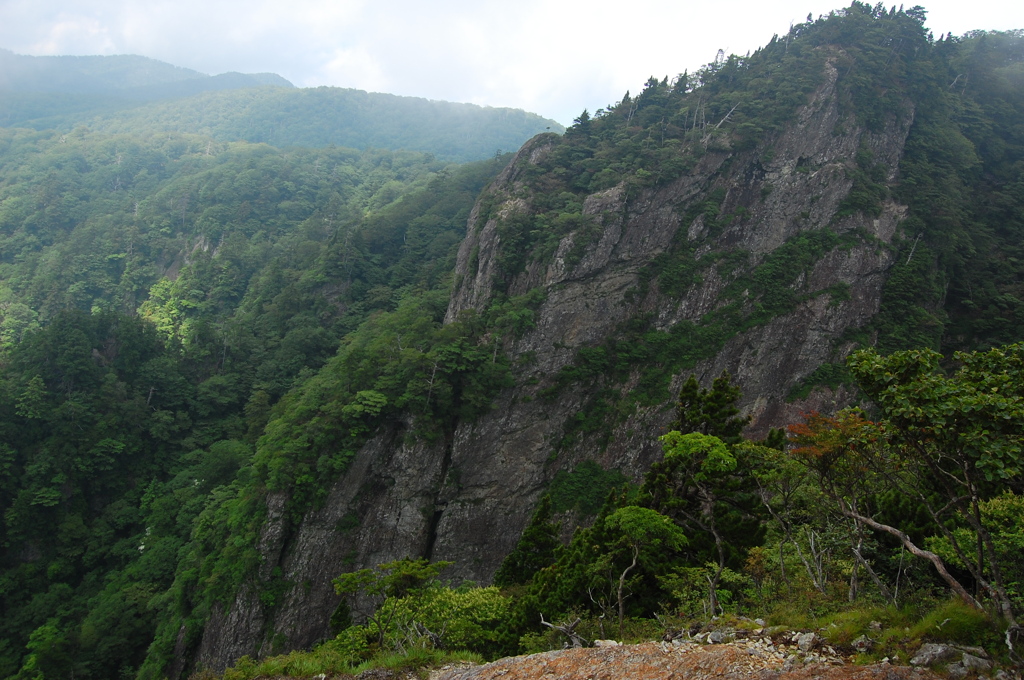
159 296
134 95
236 377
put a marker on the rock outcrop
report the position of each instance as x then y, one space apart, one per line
653 661
467 498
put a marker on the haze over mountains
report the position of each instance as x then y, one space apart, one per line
137 94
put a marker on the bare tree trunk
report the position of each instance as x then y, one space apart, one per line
936 561
569 630
882 588
622 585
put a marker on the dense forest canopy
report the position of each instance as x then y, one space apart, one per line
159 296
190 322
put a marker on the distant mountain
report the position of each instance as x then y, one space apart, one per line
136 94
325 116
126 75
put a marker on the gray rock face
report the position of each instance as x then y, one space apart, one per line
469 498
931 653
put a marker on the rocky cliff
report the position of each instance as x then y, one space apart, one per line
467 497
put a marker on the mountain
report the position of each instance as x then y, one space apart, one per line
231 372
325 116
763 216
128 77
134 94
23 73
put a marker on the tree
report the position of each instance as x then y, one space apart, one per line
689 483
641 531
710 411
832 447
958 437
384 586
788 493
534 551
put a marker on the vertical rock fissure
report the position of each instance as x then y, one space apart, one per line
439 498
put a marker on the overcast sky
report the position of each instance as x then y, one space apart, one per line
553 58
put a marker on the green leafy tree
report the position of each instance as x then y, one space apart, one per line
384 586
692 484
959 434
950 440
465 618
641 531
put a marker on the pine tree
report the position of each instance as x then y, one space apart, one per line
534 551
712 412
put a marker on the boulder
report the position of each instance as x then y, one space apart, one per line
806 642
975 663
956 671
863 644
932 653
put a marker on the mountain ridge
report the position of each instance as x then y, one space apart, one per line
506 458
133 75
129 93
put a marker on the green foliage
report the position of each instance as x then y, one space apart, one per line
583 489
956 176
348 654
648 535
688 587
466 619
956 622
387 586
910 315
117 93
897 632
868 190
973 416
136 436
535 549
706 455
952 443
1003 518
401 361
594 571
643 529
703 484
710 411
187 324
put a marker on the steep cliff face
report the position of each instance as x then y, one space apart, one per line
466 498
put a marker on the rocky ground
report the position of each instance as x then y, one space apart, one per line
764 655
760 654
692 661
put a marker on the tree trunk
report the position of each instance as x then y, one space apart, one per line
622 585
936 561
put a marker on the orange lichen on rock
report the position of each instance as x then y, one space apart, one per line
658 661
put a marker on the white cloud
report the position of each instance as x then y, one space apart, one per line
552 58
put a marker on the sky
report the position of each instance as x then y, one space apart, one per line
554 58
